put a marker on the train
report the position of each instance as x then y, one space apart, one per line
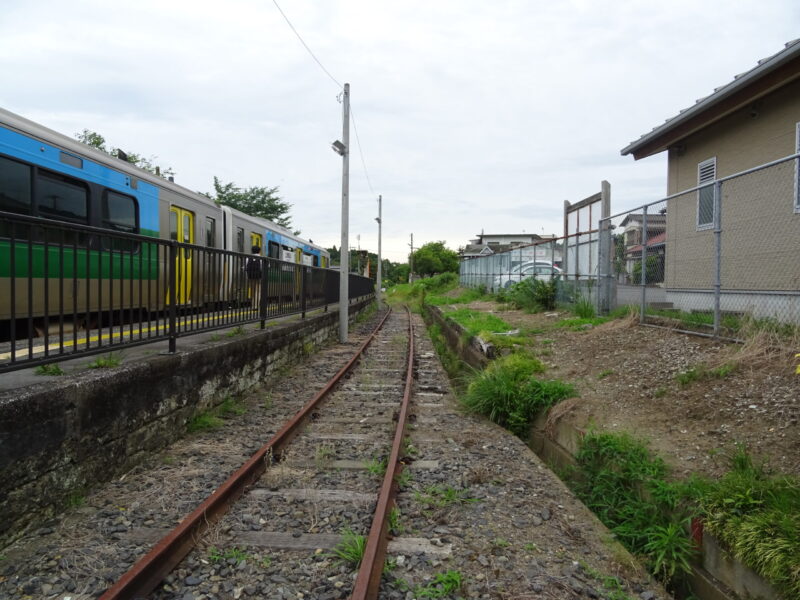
49 175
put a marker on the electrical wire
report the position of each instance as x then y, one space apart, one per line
321 66
299 37
361 154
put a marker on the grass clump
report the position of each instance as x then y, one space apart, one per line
443 585
105 362
508 393
700 372
579 323
51 370
757 516
351 549
443 496
474 321
205 421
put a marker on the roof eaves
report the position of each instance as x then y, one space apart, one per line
764 66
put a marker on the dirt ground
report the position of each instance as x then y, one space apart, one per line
626 377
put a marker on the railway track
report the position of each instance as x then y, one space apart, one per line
332 469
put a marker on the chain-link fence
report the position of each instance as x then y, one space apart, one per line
571 260
710 257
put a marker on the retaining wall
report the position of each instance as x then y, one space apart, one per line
61 438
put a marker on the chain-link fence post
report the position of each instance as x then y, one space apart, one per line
717 254
643 304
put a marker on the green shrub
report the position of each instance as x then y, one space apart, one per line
534 294
626 487
508 393
584 308
757 517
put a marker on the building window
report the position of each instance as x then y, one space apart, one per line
706 173
211 232
797 170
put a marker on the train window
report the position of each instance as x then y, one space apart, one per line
239 239
211 232
173 225
273 250
61 198
71 160
15 187
119 212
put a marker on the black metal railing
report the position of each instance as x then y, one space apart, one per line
69 289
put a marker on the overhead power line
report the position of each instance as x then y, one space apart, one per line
299 37
321 66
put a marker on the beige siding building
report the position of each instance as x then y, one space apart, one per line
753 120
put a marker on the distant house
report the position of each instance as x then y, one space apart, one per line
530 247
752 120
631 240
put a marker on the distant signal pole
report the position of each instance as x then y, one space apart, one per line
411 261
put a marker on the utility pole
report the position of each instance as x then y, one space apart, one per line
378 281
343 148
411 261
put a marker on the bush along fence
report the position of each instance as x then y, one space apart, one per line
670 524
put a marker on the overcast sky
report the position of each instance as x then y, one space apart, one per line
472 115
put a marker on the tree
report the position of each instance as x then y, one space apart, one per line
255 201
433 258
97 141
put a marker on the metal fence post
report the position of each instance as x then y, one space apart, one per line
304 274
717 253
603 269
262 294
643 275
173 296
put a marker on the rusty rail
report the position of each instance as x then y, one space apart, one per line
368 580
152 568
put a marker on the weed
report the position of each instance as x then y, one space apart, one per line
443 496
757 516
408 448
239 330
443 584
168 459
376 466
610 583
508 393
584 308
530 547
660 392
699 372
216 555
230 406
308 349
500 543
267 404
323 454
627 488
582 323
215 337
403 479
688 376
351 549
105 362
205 421
265 562
76 500
394 520
604 374
51 370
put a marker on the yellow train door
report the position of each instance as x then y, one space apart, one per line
181 229
256 240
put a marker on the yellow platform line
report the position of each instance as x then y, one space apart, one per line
116 335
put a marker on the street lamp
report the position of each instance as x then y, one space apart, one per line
341 148
378 281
